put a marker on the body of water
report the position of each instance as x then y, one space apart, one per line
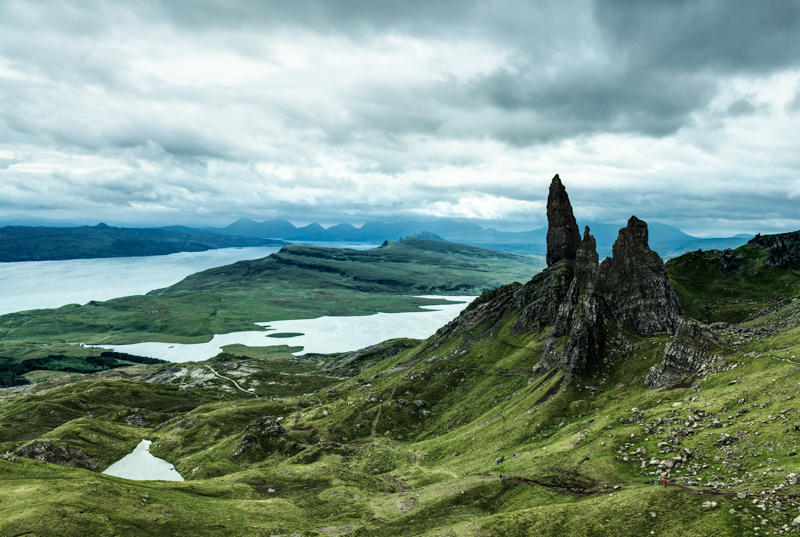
322 335
29 285
142 466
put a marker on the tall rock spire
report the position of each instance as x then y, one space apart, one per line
563 237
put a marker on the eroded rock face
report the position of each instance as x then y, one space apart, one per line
47 451
779 253
563 237
541 297
577 337
266 427
577 295
635 285
687 354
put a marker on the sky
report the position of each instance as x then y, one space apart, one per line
200 112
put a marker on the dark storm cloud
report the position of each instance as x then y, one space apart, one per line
720 36
658 61
324 108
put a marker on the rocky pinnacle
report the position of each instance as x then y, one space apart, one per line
563 237
635 285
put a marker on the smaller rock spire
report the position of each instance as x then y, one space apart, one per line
635 284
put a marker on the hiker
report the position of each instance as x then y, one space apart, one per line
665 482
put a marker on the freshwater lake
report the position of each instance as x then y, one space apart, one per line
321 335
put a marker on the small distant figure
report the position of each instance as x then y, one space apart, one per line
665 482
559 488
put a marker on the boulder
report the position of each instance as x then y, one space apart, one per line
723 440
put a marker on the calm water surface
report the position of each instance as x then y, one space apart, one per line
322 335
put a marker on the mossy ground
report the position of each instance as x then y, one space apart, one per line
411 446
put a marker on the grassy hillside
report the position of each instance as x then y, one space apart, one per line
299 282
416 442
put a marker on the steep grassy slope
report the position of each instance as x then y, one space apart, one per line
416 444
299 282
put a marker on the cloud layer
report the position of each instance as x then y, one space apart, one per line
202 111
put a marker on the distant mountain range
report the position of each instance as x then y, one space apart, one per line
24 243
667 240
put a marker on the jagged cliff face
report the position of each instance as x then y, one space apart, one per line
630 290
577 296
689 352
635 285
577 336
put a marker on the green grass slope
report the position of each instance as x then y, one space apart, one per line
416 444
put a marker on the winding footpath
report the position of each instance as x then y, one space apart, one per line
234 382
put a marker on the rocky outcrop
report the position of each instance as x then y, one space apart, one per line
687 354
264 428
630 289
635 286
728 261
563 237
47 451
164 376
577 337
576 295
783 251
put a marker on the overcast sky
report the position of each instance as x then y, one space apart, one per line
201 112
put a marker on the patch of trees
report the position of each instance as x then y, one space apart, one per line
132 358
11 372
